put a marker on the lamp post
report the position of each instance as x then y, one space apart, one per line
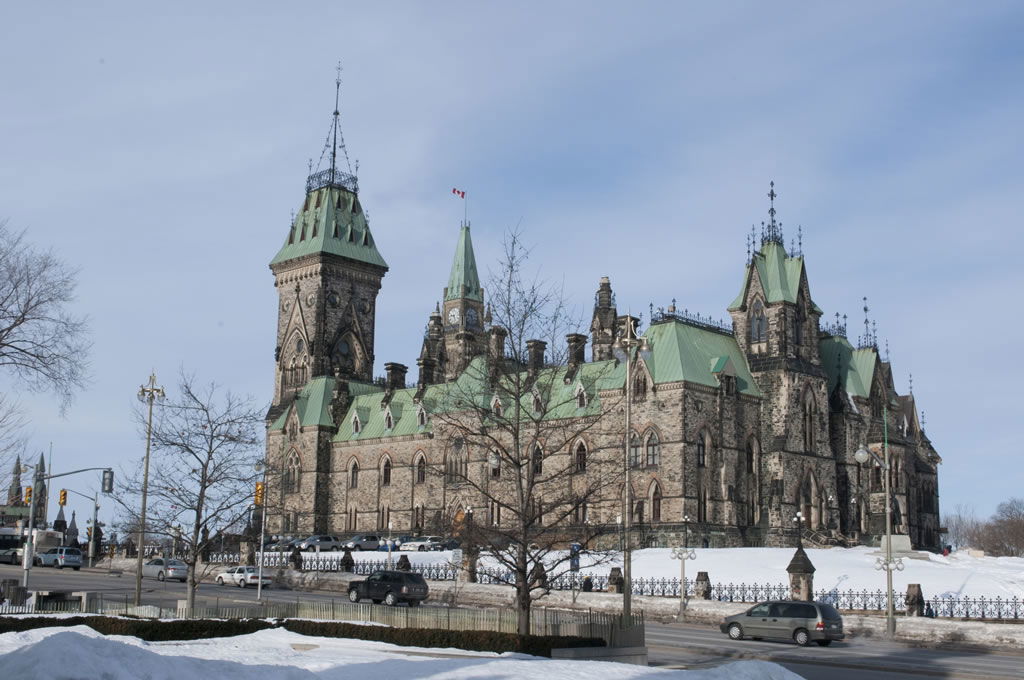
261 467
683 553
624 351
29 550
888 564
147 394
799 518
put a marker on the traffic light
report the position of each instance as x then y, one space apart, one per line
28 495
258 496
108 481
88 532
63 499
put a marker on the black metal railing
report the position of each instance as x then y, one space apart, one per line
332 177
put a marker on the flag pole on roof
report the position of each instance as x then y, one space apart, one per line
465 204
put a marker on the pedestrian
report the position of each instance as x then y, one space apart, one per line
296 559
588 584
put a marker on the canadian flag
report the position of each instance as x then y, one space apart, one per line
460 194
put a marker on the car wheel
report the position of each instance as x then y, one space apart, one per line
335 549
76 568
801 637
376 601
353 595
390 600
160 576
59 566
735 631
823 643
38 562
422 548
220 580
241 583
359 547
414 603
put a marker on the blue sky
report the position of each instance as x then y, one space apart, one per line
162 150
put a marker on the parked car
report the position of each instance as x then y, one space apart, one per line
801 622
363 542
11 556
162 569
423 543
321 541
449 544
242 577
60 557
390 587
396 542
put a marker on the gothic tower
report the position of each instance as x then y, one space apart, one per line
14 490
463 309
603 327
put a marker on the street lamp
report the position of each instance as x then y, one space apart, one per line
261 467
799 519
888 564
147 394
624 351
683 553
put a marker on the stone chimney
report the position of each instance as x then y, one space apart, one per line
496 343
535 355
395 375
577 343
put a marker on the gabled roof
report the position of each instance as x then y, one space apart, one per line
331 221
313 404
779 274
856 367
463 282
684 351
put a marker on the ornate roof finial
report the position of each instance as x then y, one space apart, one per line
800 240
868 339
923 420
333 176
887 349
911 384
773 232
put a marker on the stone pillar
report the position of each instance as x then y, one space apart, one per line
615 580
348 564
403 563
702 586
801 576
915 600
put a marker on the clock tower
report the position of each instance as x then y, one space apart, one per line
463 309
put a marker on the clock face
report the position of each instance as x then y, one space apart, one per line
453 315
471 318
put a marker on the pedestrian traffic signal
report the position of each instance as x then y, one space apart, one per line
63 499
108 481
258 496
28 495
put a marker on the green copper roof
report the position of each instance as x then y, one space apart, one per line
779 275
331 221
313 404
463 281
856 367
682 351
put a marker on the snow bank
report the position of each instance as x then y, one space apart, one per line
59 653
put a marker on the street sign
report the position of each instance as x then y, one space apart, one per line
457 556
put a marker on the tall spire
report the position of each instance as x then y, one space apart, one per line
772 232
463 282
332 175
14 490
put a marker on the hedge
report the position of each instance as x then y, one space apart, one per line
153 630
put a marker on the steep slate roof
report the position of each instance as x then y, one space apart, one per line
340 227
684 351
855 366
313 404
779 274
463 281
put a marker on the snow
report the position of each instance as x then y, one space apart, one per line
80 652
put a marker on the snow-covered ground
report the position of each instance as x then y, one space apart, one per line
837 568
80 652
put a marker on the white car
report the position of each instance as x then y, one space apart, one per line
422 544
242 577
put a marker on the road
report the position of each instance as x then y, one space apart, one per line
671 645
691 646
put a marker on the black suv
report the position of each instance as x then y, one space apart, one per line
390 587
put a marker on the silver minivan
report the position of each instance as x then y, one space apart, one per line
60 558
801 622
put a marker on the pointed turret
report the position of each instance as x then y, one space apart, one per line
60 524
14 490
71 535
463 282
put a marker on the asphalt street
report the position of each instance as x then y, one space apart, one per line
669 645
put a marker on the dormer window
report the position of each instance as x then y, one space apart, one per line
356 425
538 405
389 421
421 418
581 397
496 407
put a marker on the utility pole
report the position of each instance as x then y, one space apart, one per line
147 394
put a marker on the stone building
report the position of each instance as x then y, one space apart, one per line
735 427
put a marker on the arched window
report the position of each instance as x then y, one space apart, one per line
750 457
581 398
638 512
385 473
292 471
538 460
758 323
421 417
653 450
456 465
702 504
496 408
353 476
702 451
389 422
810 422
640 387
655 502
634 450
356 425
581 457
494 462
421 469
798 324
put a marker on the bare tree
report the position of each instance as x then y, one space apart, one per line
962 527
12 432
533 429
202 475
1003 534
43 345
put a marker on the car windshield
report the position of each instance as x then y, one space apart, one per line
828 612
176 563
